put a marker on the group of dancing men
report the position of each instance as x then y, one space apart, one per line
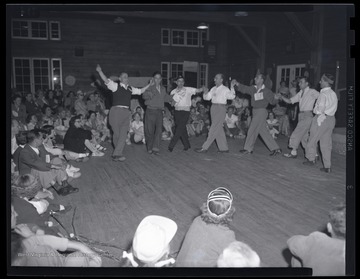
316 119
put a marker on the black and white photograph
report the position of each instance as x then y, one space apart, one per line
180 139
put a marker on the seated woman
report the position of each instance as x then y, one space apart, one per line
53 154
195 123
47 118
77 141
101 126
60 124
231 123
151 243
69 101
49 175
31 122
91 125
245 119
168 123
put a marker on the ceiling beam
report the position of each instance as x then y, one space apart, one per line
301 29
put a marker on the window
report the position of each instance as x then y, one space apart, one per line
39 30
178 37
31 74
31 29
165 72
56 77
22 79
20 29
176 69
55 30
204 36
165 37
192 38
203 76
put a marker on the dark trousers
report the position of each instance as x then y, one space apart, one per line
153 128
181 117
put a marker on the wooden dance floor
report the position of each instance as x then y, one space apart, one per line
275 198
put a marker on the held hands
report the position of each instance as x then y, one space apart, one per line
152 82
98 68
233 83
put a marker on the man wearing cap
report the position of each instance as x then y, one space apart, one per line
182 97
155 96
306 98
218 95
151 242
260 98
322 124
120 114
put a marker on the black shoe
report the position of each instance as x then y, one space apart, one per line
309 163
118 158
223 151
244 151
275 152
170 149
186 148
200 150
328 170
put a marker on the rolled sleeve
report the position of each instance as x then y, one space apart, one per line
136 91
111 85
230 94
207 96
57 243
296 98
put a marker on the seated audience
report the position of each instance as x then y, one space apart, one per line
280 112
136 133
324 254
52 102
18 110
168 123
80 105
31 122
15 129
195 123
209 233
69 102
231 123
49 175
238 254
46 248
47 118
151 243
272 125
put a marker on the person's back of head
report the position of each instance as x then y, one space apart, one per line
26 186
218 209
337 223
238 254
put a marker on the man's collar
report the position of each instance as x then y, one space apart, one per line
262 87
123 85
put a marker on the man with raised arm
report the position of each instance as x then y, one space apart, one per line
120 114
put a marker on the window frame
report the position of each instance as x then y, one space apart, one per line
29 23
50 31
52 72
162 41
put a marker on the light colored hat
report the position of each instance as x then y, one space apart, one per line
152 238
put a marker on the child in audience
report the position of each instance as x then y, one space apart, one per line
245 119
273 125
231 123
209 233
324 254
238 254
151 243
136 133
59 123
195 124
140 110
46 248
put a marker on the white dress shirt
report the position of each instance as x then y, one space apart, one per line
327 102
113 86
182 97
220 95
36 150
306 100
